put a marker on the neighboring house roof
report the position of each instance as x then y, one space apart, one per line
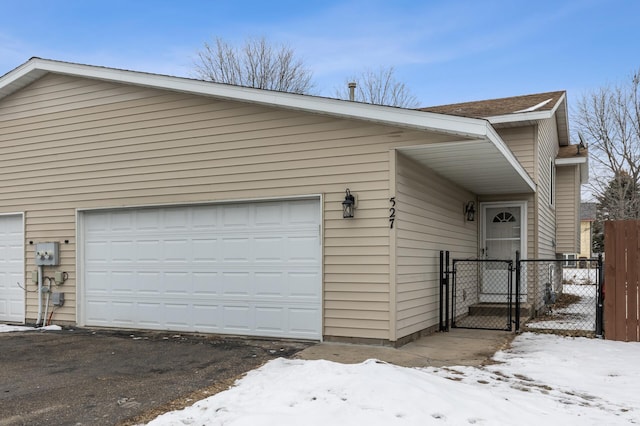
588 211
514 109
476 159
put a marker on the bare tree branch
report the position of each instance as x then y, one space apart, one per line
380 88
609 119
257 63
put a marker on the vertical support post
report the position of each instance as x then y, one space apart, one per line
518 283
510 304
446 284
441 271
600 298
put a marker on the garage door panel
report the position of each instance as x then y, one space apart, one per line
236 284
270 284
302 249
235 216
204 218
206 284
303 213
303 319
236 250
303 286
148 220
119 222
237 318
121 251
269 214
205 251
271 319
177 284
268 249
224 269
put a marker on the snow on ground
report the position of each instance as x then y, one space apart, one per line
577 316
541 379
5 328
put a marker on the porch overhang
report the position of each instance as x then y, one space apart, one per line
484 166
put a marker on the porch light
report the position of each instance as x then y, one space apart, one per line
470 211
348 205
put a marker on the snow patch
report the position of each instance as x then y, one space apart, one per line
540 379
5 328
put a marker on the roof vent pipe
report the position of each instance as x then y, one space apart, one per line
352 91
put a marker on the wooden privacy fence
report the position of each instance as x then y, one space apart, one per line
622 280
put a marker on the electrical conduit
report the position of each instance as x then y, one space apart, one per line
40 268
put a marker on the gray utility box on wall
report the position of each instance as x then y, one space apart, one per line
47 254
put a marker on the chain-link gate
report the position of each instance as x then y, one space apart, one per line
534 294
563 295
482 294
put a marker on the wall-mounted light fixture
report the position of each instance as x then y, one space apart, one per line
470 211
348 205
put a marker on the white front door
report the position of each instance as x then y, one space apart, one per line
11 269
502 235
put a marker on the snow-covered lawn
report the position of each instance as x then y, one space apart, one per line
541 379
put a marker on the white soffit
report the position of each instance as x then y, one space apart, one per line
478 166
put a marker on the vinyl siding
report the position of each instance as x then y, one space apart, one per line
585 239
545 197
568 209
70 143
429 218
520 141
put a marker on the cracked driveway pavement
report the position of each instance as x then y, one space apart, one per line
89 377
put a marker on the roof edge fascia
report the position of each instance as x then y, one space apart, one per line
421 120
570 161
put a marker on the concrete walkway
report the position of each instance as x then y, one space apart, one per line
456 347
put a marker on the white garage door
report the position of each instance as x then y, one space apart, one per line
11 269
246 268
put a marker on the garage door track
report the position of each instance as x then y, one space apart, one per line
86 377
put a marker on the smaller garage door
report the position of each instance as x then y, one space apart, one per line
246 268
11 269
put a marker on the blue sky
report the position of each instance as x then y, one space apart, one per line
446 51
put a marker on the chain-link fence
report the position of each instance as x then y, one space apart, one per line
564 295
482 294
532 294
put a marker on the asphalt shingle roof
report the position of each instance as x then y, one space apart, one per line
502 106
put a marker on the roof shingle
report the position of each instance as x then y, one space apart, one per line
502 106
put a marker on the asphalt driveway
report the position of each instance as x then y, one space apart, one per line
88 377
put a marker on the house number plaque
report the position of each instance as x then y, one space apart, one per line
392 212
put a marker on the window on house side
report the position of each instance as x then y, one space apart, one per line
570 260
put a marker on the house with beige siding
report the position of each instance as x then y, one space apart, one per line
145 201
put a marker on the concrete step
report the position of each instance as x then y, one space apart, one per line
499 309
